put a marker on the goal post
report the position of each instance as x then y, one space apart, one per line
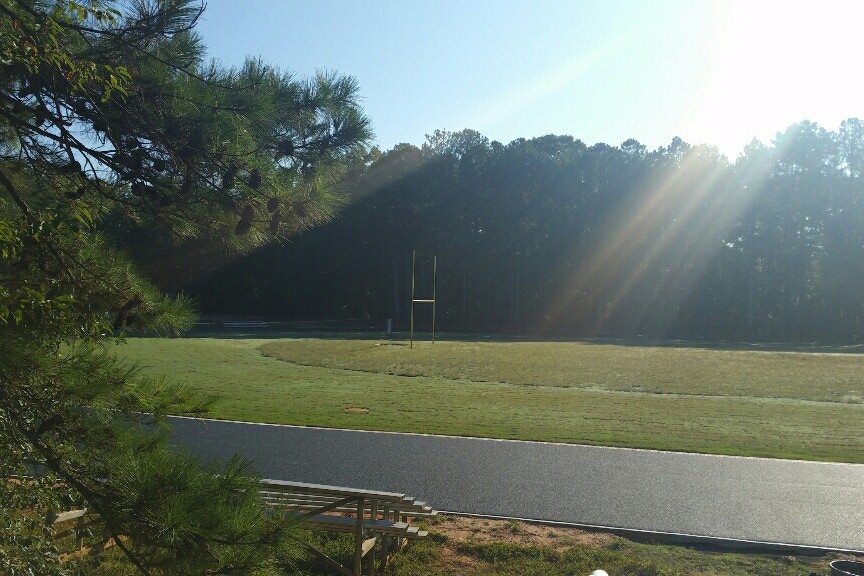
415 300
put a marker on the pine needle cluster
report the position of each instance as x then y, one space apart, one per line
109 113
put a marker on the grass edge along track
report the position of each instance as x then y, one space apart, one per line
256 387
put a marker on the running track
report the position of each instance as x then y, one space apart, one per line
719 497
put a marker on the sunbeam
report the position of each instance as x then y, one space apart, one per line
656 245
536 88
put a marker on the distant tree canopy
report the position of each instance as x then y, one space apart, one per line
113 126
549 235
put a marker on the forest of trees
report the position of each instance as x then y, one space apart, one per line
551 236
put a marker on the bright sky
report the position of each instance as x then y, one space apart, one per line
716 72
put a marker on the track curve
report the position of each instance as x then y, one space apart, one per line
792 502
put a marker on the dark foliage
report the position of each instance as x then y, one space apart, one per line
549 235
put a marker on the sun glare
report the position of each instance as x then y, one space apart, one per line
648 235
773 64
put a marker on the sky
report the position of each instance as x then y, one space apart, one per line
711 72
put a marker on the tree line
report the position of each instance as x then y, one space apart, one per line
551 236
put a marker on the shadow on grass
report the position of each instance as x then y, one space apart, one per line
289 330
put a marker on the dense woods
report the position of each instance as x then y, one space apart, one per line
549 235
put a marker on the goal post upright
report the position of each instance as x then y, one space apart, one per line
434 283
413 268
415 300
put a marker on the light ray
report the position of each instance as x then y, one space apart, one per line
551 81
646 241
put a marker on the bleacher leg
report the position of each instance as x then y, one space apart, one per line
358 539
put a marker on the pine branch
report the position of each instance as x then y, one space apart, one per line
13 193
53 463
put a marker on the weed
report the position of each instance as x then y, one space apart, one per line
506 551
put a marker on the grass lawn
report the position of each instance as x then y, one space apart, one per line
828 377
788 405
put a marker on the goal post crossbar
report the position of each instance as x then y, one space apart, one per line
423 300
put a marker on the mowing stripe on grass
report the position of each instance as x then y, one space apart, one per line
257 388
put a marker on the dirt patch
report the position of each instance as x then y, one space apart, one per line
464 529
458 563
355 410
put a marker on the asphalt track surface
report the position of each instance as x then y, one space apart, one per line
741 499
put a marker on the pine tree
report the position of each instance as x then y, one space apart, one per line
109 113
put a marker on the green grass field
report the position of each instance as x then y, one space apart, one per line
775 404
659 370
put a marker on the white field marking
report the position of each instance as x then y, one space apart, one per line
536 442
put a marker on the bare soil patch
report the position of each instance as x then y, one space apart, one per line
460 529
356 410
